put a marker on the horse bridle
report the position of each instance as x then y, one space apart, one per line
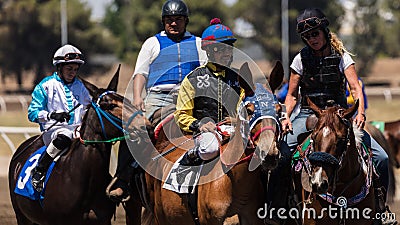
330 198
115 121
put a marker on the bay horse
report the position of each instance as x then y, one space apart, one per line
336 178
231 184
384 143
75 191
392 135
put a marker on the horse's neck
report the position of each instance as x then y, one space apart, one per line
350 171
91 131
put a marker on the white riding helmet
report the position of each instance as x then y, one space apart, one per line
68 54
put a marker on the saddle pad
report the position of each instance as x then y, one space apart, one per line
24 186
186 184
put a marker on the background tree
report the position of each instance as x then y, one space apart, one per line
368 34
390 11
136 20
30 34
265 16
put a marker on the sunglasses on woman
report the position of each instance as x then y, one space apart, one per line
69 56
311 34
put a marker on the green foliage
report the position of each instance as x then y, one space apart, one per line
265 16
136 20
368 34
32 30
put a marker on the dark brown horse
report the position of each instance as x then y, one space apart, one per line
384 143
75 192
392 135
336 178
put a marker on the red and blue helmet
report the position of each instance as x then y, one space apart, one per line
217 32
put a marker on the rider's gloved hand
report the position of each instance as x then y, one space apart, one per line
59 116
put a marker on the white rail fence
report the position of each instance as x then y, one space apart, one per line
26 131
21 100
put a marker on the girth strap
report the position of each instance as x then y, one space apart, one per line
192 203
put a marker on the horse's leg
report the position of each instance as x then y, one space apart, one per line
133 210
23 220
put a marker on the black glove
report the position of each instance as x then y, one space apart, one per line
59 116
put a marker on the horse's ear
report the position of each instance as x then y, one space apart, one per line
314 107
246 79
112 86
350 111
90 87
276 76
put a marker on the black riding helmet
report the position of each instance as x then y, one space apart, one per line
311 19
174 8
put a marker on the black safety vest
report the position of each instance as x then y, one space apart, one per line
210 90
322 80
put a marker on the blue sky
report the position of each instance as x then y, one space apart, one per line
98 7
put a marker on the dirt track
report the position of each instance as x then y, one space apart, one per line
7 216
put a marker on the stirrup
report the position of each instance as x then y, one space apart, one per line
117 198
37 180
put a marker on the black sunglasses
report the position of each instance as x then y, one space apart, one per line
311 22
69 56
309 35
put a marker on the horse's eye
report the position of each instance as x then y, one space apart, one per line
250 112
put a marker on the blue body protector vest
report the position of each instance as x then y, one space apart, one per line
174 62
322 79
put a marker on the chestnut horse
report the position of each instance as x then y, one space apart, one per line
75 191
336 174
229 184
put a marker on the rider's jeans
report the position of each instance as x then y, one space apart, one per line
299 127
156 100
379 156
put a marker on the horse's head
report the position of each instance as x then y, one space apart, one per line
260 109
332 136
115 114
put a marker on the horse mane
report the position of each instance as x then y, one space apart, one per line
358 135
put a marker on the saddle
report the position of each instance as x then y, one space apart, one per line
161 114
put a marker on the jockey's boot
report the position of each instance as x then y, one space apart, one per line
39 172
120 184
191 158
55 147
